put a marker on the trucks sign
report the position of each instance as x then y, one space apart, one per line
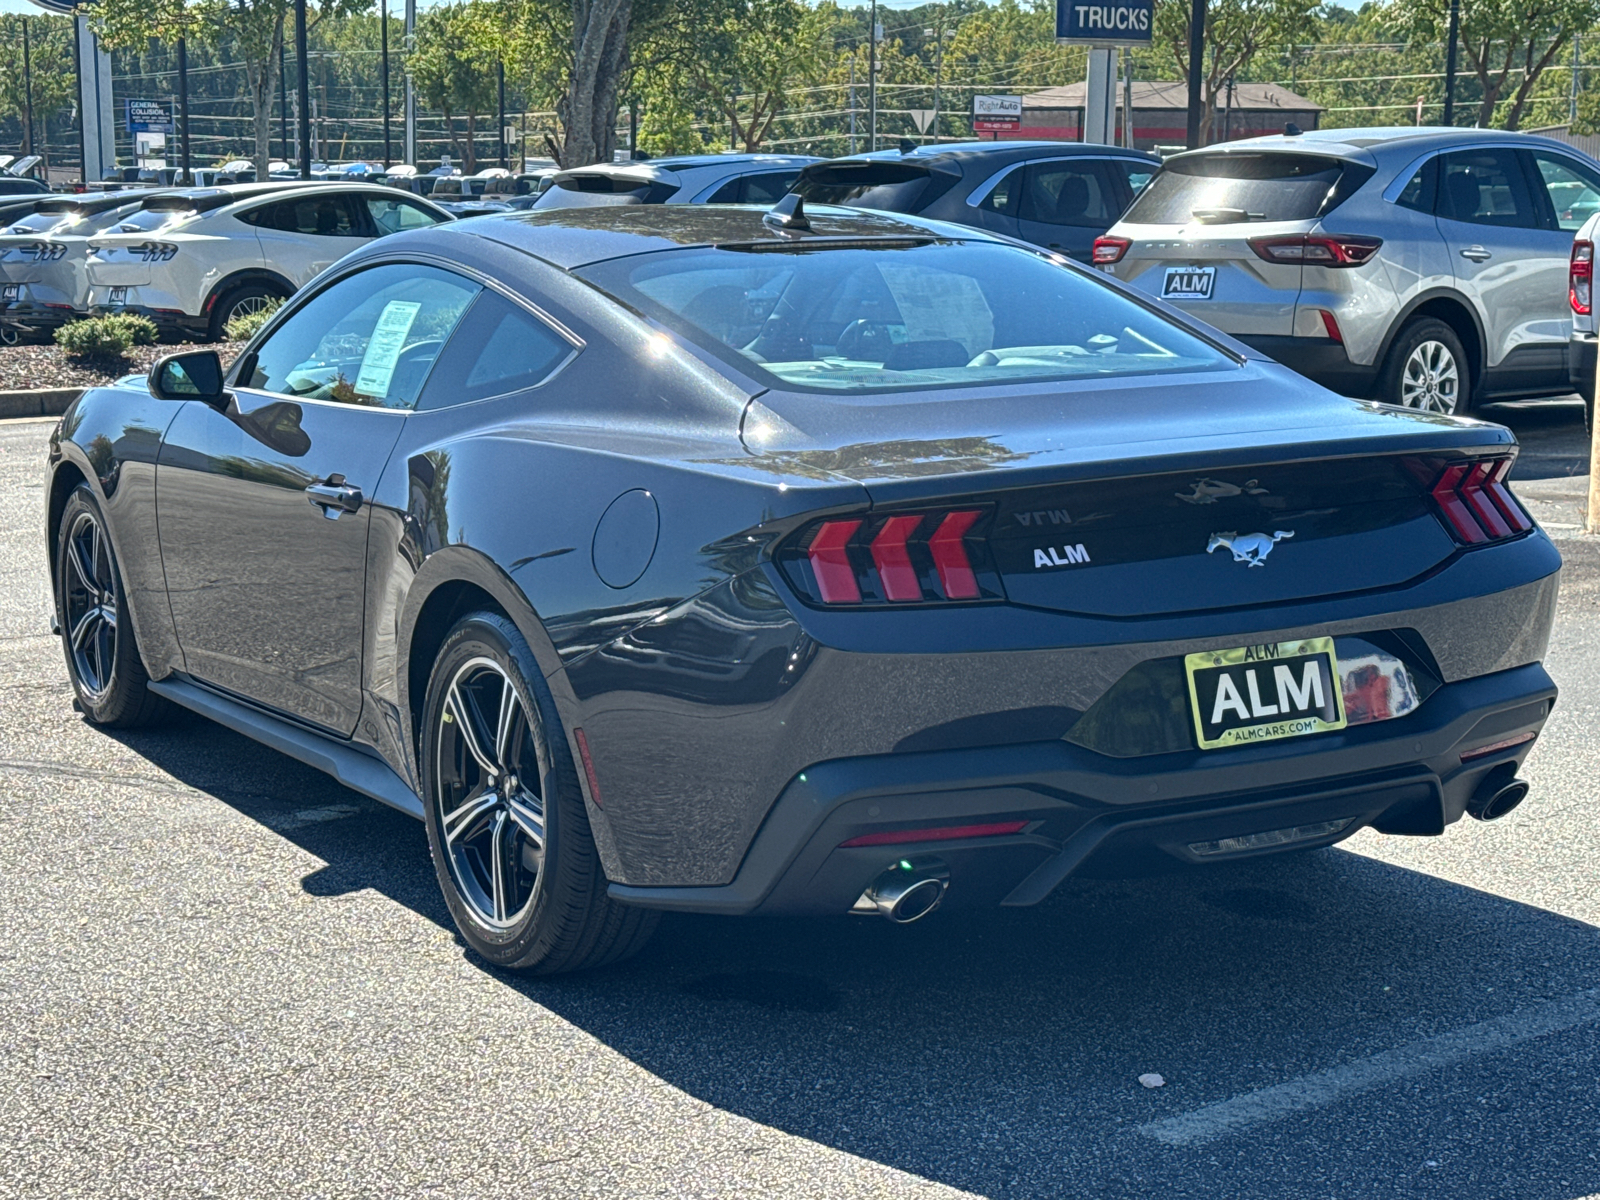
1105 22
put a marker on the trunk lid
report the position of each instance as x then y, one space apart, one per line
1138 498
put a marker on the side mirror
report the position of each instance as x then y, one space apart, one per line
193 376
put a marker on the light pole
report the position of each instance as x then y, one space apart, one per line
500 73
1450 63
1197 54
387 145
411 91
27 90
183 109
872 81
302 88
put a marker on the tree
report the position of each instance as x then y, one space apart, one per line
1236 32
453 70
50 68
746 64
1502 41
252 30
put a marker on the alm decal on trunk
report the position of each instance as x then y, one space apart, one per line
1066 556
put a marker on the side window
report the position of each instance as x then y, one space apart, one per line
325 215
1068 193
1574 190
1136 173
1006 196
369 339
728 193
394 215
500 347
1486 187
1420 189
768 188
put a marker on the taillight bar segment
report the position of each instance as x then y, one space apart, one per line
1317 249
1108 250
902 558
1475 503
1580 277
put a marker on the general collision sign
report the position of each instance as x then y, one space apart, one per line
1107 24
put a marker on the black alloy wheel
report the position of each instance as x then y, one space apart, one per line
510 838
103 663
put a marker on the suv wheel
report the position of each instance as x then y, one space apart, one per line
506 823
1427 369
241 301
103 663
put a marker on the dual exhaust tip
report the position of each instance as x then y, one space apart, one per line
906 891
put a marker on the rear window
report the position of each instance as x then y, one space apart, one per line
40 222
888 186
901 316
1224 188
589 191
151 219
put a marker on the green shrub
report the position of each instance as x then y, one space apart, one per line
242 329
106 337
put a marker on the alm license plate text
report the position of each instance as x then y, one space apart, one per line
1188 283
1262 693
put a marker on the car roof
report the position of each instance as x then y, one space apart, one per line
1020 148
574 237
1358 143
679 162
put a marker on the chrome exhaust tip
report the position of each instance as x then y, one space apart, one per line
1496 797
907 891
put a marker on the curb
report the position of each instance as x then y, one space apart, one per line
40 402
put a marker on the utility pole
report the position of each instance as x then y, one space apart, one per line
27 90
1197 70
938 63
1450 63
302 89
852 103
387 145
411 91
872 81
1577 58
500 74
283 103
183 110
1127 97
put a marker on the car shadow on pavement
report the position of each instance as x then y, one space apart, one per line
999 1051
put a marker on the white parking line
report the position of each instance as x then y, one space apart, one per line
1328 1087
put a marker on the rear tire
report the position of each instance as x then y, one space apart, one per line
241 301
103 663
1427 369
506 824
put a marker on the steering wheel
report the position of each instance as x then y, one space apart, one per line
867 340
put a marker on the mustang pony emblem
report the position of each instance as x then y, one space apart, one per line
1252 548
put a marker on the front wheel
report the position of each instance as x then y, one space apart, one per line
103 663
506 823
243 301
1427 369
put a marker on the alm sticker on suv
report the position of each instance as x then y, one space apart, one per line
1262 693
1188 283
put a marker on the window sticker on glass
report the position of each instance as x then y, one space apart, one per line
383 348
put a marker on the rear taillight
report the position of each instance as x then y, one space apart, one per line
1317 249
1474 502
1108 250
1580 278
902 558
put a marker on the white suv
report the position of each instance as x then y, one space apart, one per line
193 262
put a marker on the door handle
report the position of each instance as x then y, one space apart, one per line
334 496
1475 253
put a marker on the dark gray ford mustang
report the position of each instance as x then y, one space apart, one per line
719 561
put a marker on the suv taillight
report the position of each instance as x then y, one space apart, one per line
1318 249
1473 500
1580 278
1108 250
903 558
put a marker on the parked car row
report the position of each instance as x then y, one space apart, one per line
189 259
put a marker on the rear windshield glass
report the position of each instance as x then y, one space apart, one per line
149 220
887 186
901 316
1222 188
40 222
903 197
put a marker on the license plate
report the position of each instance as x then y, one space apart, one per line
10 292
119 295
1263 693
1188 283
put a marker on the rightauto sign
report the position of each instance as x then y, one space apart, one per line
1108 24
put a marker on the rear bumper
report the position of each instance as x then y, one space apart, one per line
35 318
1581 364
1321 360
1087 811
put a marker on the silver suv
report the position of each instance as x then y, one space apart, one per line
1423 267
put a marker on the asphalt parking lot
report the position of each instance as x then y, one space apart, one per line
222 974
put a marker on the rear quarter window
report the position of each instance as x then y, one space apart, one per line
1218 188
